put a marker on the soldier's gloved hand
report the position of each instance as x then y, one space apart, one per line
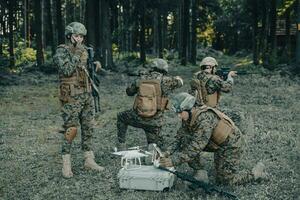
98 65
232 73
180 79
165 162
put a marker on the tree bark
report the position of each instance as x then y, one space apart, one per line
104 44
298 34
264 32
90 21
287 48
11 32
59 22
273 38
142 31
53 26
194 33
255 32
38 28
185 31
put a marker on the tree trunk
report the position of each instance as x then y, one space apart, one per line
298 34
273 39
38 28
185 31
142 31
106 44
2 27
287 48
53 26
194 33
91 22
255 32
11 33
263 40
164 30
59 22
155 31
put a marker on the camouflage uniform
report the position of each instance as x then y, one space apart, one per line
193 139
152 125
212 85
75 94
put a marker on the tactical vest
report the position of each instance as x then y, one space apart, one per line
78 82
202 95
149 99
223 129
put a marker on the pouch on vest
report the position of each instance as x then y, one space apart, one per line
148 99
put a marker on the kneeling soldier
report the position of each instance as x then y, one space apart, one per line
151 90
207 129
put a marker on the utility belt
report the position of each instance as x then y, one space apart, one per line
70 87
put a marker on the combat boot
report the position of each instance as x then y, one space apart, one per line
258 171
90 161
66 170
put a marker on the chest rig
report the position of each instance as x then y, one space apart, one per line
78 82
202 95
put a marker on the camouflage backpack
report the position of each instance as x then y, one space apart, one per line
148 99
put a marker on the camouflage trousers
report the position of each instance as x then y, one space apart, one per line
79 112
152 126
227 162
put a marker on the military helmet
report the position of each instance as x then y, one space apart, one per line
75 28
208 61
183 101
160 65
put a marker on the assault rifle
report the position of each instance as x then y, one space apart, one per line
94 78
208 188
224 71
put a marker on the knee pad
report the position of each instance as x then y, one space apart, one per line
70 134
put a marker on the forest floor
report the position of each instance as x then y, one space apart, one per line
30 144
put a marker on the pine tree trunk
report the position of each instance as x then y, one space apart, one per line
264 32
255 32
91 22
106 45
59 22
164 30
194 33
53 26
155 31
11 33
142 31
298 34
273 38
185 31
287 48
2 27
38 28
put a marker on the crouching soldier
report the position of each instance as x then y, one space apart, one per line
151 90
76 99
207 129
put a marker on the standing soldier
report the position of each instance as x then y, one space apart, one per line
77 104
151 100
206 129
206 86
